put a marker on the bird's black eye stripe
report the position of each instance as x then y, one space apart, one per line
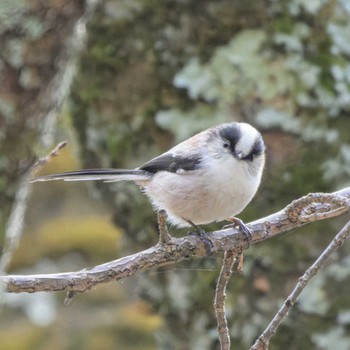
230 135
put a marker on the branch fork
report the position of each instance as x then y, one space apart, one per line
231 242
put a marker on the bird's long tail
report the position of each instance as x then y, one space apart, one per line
105 175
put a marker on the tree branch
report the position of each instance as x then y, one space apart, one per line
316 207
230 263
263 341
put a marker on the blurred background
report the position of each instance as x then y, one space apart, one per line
124 80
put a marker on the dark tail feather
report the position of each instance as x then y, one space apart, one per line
106 175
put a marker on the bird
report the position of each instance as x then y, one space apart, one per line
210 177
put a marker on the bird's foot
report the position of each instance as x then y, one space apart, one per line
238 223
198 231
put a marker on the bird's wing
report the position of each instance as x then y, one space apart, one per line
173 163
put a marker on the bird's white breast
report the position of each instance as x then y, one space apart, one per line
213 193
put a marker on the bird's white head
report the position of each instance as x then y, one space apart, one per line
243 142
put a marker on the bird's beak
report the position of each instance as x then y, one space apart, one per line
239 155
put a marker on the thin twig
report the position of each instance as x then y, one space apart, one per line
262 342
230 263
54 153
15 223
69 297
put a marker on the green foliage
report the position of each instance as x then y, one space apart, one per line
11 13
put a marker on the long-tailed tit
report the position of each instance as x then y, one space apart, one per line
211 176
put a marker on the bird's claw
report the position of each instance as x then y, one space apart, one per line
243 228
198 231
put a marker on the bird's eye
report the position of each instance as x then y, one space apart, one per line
226 144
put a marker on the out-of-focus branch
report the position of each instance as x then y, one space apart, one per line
50 101
15 222
316 207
